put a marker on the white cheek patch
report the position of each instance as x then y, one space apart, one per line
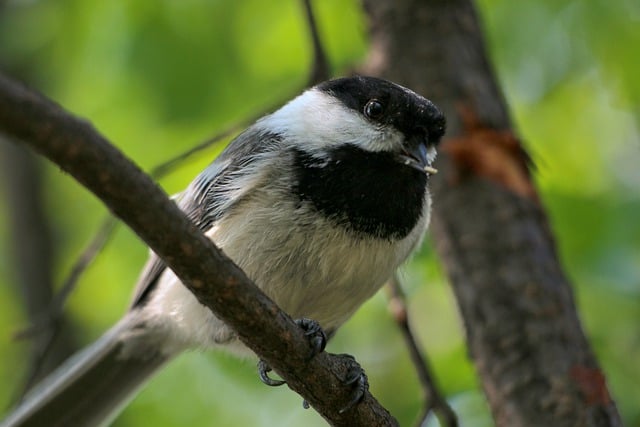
318 121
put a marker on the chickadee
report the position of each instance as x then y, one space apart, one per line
319 203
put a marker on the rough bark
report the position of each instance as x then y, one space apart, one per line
216 281
493 236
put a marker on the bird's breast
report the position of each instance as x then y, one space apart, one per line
367 192
308 264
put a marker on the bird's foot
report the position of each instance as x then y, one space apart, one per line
317 339
356 378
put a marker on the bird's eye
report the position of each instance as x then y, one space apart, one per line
373 109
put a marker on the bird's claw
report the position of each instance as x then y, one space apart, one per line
314 333
356 378
317 339
263 372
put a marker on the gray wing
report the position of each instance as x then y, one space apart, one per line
210 195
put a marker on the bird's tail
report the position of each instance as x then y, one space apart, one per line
91 387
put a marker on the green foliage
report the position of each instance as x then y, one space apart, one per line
157 77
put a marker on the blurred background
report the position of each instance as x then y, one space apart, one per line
158 77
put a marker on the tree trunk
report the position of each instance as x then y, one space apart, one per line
493 236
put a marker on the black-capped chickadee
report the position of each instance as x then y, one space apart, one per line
319 203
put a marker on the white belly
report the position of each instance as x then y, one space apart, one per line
308 267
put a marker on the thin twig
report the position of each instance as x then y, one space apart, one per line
32 249
173 163
53 329
84 260
320 66
49 323
434 400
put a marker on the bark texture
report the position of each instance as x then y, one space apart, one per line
523 332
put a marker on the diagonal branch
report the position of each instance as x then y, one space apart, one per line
216 281
434 400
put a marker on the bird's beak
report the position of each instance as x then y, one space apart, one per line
415 155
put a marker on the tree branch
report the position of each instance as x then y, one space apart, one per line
434 400
320 65
216 282
523 332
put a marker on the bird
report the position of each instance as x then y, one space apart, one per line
319 203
